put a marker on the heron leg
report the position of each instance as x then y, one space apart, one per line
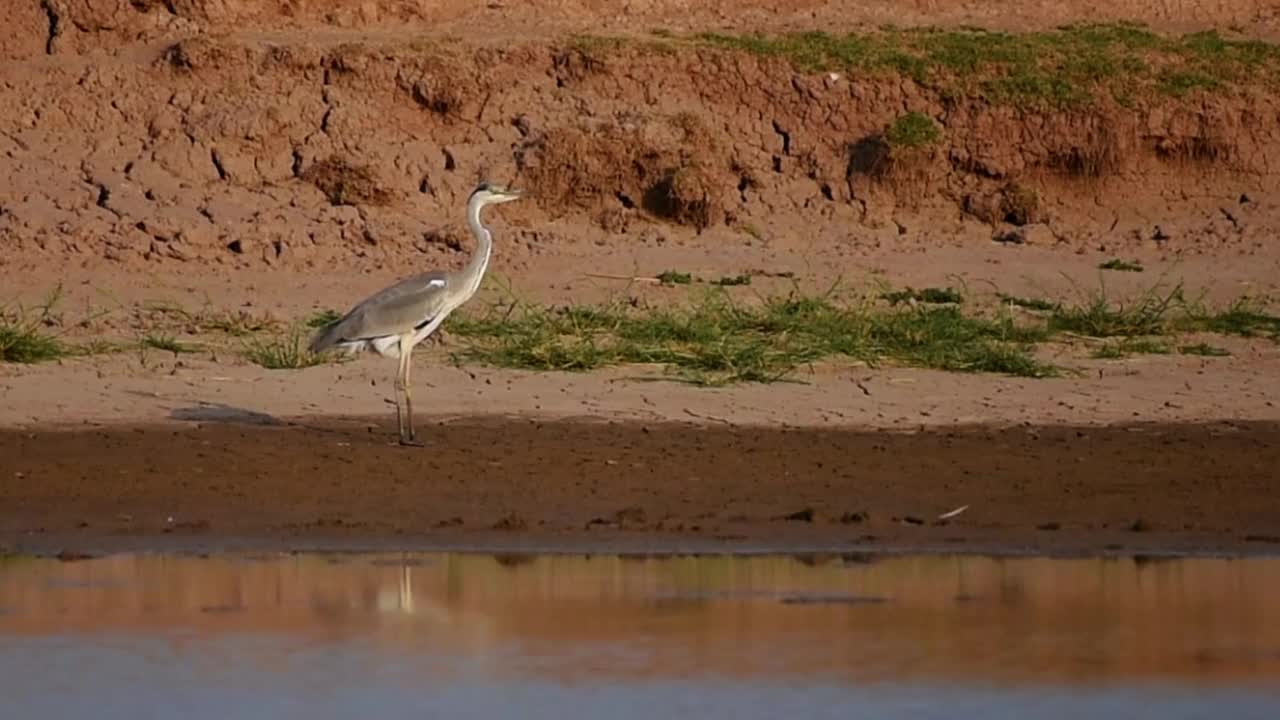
404 409
408 392
399 400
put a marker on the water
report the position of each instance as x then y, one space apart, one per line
478 636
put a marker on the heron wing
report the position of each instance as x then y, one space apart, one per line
408 304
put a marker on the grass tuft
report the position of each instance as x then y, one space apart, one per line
1131 346
1121 265
1099 316
1036 304
732 280
323 318
167 343
1204 350
282 352
911 131
23 338
23 341
930 295
97 346
672 277
1155 312
1244 318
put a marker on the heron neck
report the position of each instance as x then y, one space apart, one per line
479 262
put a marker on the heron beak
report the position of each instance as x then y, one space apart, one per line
513 194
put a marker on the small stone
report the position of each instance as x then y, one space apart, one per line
805 515
1015 236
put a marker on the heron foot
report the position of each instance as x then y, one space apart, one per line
411 442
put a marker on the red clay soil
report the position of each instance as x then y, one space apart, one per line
244 137
568 484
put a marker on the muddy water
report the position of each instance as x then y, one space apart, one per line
468 635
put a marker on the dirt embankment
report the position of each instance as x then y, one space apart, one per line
262 134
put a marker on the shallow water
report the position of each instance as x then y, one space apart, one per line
469 635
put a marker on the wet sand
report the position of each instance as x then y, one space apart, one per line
626 486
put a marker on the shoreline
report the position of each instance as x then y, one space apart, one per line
520 485
87 546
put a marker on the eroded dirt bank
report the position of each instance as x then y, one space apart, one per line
502 482
221 136
283 157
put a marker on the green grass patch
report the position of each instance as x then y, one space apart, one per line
1121 265
930 295
1131 346
672 277
732 280
1204 350
1069 66
1179 83
713 340
283 352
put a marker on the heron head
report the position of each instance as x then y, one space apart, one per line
488 193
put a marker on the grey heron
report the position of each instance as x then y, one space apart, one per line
394 320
